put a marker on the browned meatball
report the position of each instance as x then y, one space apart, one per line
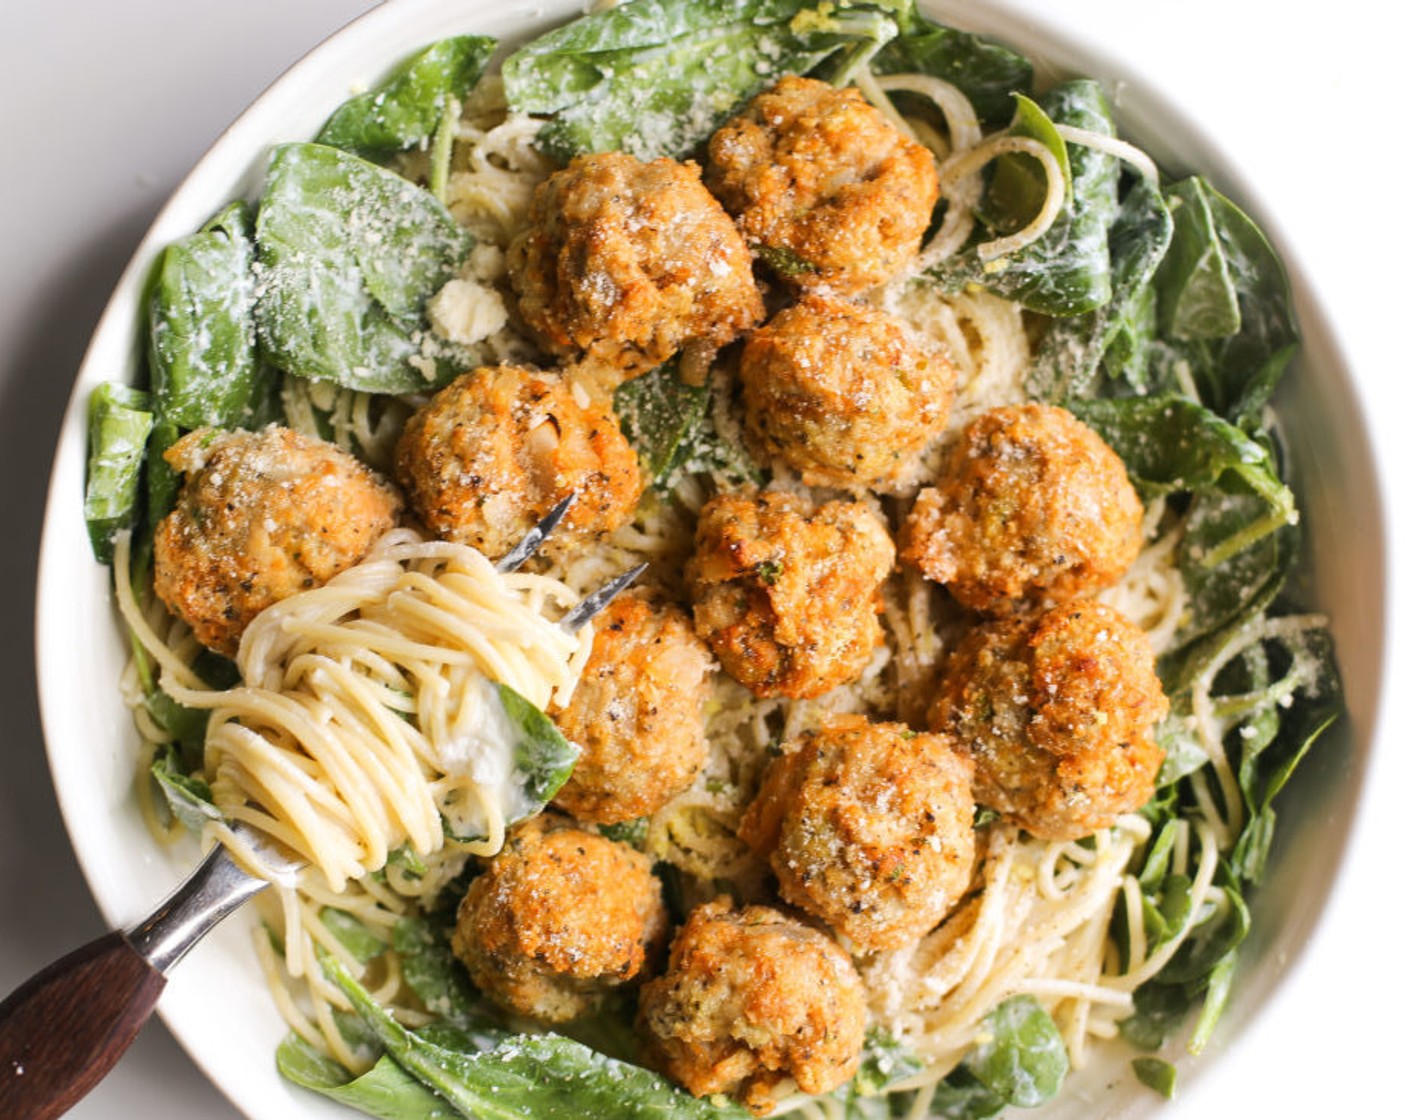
496 449
1033 507
1058 713
868 826
637 713
626 263
559 918
786 596
261 515
844 393
829 192
750 998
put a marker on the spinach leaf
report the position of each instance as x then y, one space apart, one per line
663 418
348 253
1117 334
542 761
1169 443
542 1077
657 77
406 109
434 973
119 421
1017 186
386 1090
1156 1074
1220 257
987 73
884 1062
188 798
1020 1056
204 368
354 934
1067 270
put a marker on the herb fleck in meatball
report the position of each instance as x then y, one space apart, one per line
496 449
868 826
261 515
844 393
637 712
752 997
786 596
1033 507
1058 712
626 263
826 189
559 918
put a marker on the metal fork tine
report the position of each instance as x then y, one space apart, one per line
599 600
533 539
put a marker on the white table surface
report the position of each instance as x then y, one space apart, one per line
108 105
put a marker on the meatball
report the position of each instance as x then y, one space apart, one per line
787 596
868 826
496 449
1058 712
1032 508
751 997
626 263
260 516
558 919
823 186
844 393
637 712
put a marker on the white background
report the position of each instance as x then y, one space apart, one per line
106 107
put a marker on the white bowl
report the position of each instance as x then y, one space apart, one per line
217 1003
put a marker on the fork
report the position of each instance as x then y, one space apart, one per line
65 1028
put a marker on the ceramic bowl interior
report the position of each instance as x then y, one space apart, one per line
217 1003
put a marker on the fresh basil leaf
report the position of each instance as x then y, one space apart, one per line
201 334
119 421
348 253
406 109
385 1091
657 77
529 1077
987 73
1020 1055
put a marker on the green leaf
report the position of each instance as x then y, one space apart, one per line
665 420
188 798
1118 334
353 934
529 1077
1170 443
348 254
119 421
1197 294
1236 372
434 973
385 1091
1020 1055
1067 270
201 334
1017 187
406 109
986 72
542 762
1156 1074
657 77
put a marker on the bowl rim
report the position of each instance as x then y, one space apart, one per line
255 126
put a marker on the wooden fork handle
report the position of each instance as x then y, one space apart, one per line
64 1029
